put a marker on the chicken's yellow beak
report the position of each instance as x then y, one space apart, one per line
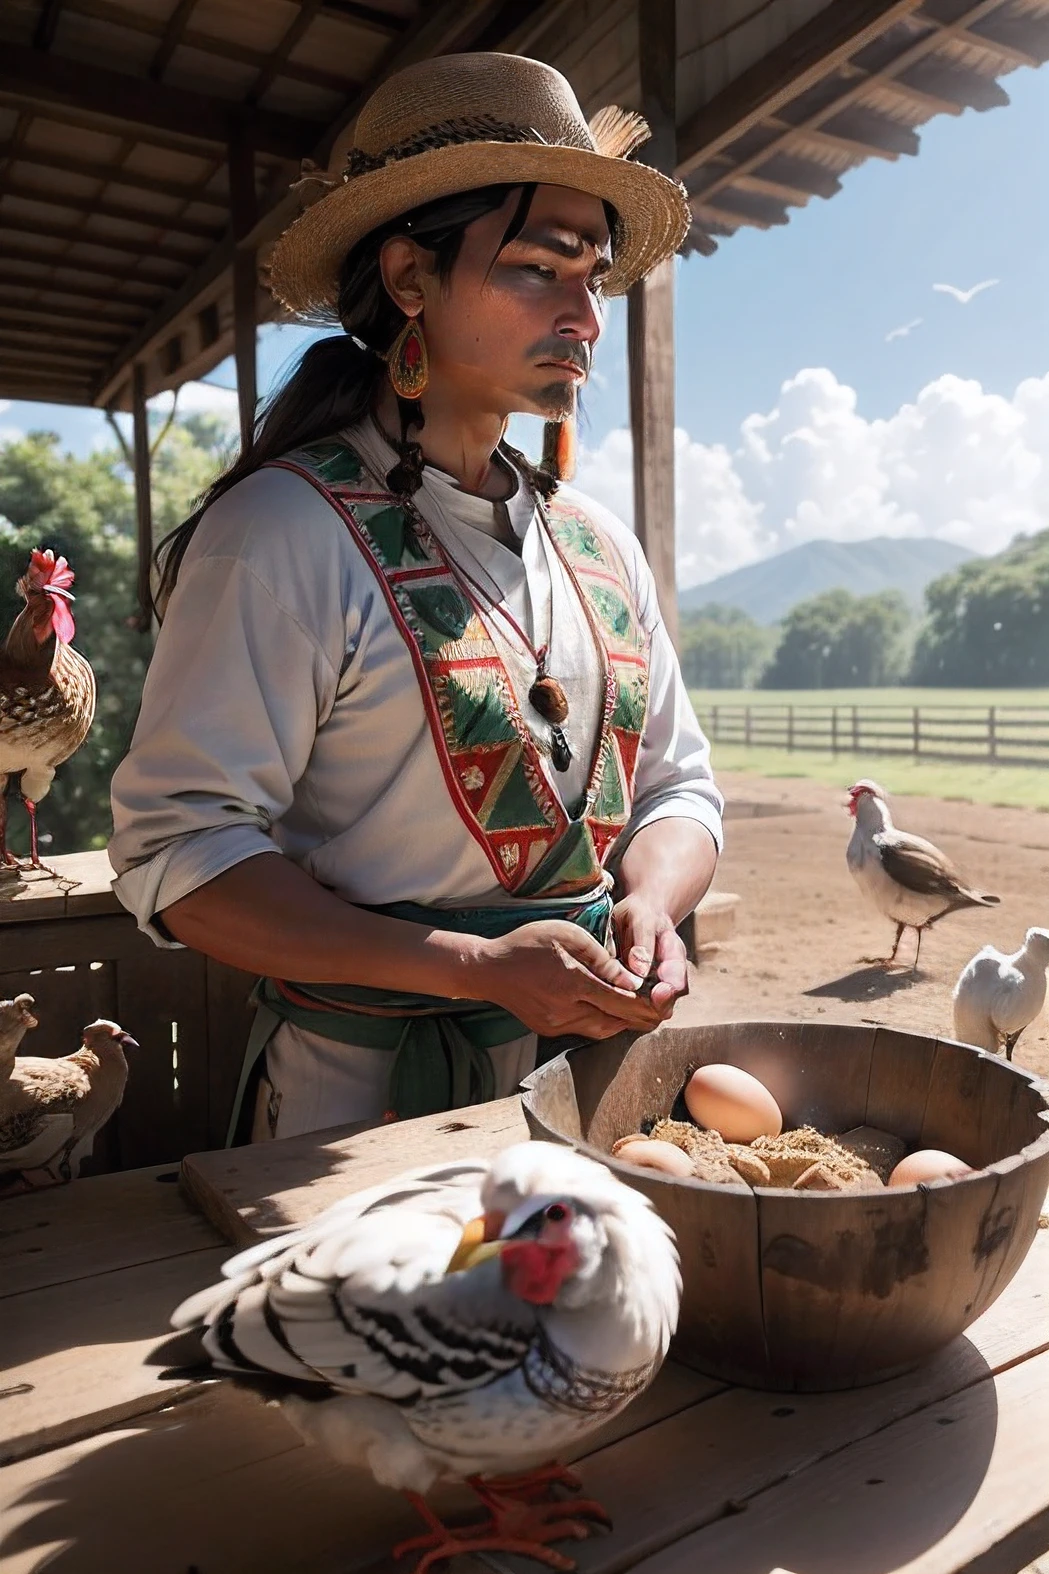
474 1246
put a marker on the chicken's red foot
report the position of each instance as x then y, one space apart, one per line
511 1526
534 1484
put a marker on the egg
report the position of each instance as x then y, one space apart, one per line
732 1102
648 1154
928 1164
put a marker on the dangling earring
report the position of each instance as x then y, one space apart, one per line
559 448
408 362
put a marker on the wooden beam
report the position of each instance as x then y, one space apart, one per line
856 131
43 158
143 497
650 325
36 355
833 34
103 307
35 393
734 207
303 21
154 250
25 191
946 91
364 16
36 77
209 44
47 24
244 216
174 30
47 325
650 341
40 257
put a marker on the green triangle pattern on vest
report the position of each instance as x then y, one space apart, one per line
390 529
610 802
577 536
335 463
631 702
611 609
570 865
515 808
476 718
443 611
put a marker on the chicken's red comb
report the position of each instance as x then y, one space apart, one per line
46 572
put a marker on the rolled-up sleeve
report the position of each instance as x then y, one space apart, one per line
238 684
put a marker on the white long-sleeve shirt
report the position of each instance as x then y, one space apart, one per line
281 714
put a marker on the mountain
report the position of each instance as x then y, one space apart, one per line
768 590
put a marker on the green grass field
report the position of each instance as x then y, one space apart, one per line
1004 785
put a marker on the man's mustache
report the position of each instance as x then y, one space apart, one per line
557 349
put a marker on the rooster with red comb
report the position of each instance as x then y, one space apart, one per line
47 692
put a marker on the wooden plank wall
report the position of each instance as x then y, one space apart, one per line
717 43
595 45
189 1015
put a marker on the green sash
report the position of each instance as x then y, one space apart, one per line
440 1047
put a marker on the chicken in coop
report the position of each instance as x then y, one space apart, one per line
52 1109
468 1321
998 996
47 692
907 878
16 1020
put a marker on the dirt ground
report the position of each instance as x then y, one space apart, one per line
803 927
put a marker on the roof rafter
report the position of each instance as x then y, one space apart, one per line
160 250
136 102
25 191
43 158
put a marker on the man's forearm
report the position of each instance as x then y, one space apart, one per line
266 915
669 865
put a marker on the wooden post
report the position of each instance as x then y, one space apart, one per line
992 734
244 214
834 729
143 497
790 727
917 730
746 726
650 322
855 729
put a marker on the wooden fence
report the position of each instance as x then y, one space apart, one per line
959 734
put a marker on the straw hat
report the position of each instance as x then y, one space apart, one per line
457 122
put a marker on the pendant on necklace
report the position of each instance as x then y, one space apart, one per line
546 695
560 753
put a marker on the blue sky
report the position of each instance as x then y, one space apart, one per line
823 292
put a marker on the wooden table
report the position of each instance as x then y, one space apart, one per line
110 1467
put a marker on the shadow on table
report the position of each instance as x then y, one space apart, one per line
869 1508
866 983
220 1484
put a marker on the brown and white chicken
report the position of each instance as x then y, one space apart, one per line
51 1109
469 1321
907 878
47 691
16 1020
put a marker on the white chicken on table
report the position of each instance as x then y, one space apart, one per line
16 1020
52 1108
907 878
998 996
468 1321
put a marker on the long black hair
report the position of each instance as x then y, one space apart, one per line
337 379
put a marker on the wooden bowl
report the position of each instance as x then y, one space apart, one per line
817 1291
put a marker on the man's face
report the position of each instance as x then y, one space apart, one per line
517 333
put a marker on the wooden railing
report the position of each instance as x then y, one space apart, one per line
966 734
72 946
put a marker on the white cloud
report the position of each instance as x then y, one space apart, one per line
904 329
960 464
200 399
9 434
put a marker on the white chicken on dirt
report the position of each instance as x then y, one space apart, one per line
907 878
47 692
469 1321
52 1109
998 996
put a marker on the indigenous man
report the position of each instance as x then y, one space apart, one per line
414 746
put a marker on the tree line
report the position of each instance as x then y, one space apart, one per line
986 624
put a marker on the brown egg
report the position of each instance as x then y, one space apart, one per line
928 1164
732 1102
647 1154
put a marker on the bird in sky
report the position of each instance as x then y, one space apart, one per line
903 330
963 297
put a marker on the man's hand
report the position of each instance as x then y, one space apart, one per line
650 946
557 979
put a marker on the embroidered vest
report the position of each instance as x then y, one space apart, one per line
491 765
